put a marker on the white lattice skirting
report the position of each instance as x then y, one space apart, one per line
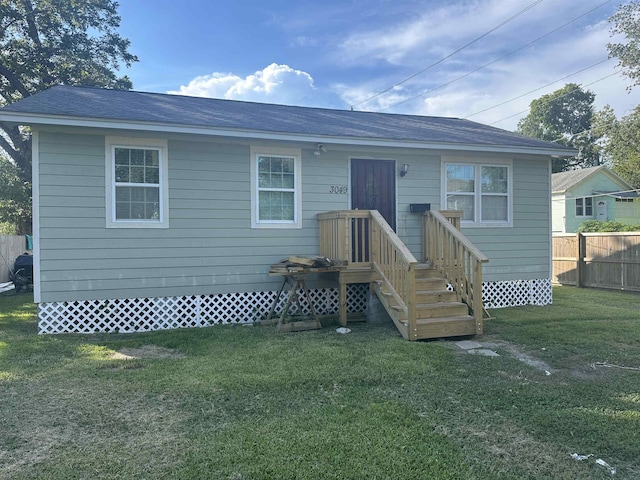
147 314
516 293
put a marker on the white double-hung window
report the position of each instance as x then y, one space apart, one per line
481 190
137 190
584 207
275 188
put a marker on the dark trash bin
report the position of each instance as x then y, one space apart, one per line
22 276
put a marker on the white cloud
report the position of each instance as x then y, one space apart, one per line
305 41
437 31
215 85
353 60
569 50
274 84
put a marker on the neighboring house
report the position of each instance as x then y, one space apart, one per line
594 193
160 211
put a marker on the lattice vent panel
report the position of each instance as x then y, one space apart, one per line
517 292
146 314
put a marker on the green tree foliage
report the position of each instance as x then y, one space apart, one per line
564 116
621 143
51 42
626 22
15 199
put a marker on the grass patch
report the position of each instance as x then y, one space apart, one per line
247 403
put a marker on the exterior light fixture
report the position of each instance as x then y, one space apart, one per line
404 170
319 150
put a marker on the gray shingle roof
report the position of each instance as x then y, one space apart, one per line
562 181
154 108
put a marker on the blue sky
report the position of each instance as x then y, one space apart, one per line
338 54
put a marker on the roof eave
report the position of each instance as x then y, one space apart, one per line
60 120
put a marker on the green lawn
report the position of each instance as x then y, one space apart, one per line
247 403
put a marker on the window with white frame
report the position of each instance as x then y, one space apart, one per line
481 191
137 190
275 188
584 207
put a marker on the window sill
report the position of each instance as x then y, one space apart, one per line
134 224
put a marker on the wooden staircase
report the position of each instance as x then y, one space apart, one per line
441 298
438 312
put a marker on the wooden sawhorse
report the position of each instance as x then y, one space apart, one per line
296 281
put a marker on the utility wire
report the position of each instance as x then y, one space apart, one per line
513 17
539 88
568 93
594 195
424 92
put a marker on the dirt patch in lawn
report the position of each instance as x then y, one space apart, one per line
585 372
146 351
82 420
512 349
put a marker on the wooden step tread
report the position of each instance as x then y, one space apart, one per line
454 319
424 266
435 296
435 305
434 292
442 327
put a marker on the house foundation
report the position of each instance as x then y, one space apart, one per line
130 315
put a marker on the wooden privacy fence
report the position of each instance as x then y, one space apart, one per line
603 260
10 247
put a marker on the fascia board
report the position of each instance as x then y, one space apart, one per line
57 120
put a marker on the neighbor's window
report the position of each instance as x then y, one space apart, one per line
482 192
137 183
584 207
276 188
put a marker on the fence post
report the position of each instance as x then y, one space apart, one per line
579 257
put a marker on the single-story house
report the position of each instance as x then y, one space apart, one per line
162 211
594 193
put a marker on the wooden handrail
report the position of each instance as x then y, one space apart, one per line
456 258
393 237
381 250
395 265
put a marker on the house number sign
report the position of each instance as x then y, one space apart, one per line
338 189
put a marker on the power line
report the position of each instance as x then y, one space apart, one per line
594 195
513 17
539 88
424 92
587 85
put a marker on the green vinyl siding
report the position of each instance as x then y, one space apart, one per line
599 182
520 252
210 247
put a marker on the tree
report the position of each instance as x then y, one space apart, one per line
15 199
51 42
621 143
626 21
564 116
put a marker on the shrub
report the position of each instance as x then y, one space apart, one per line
594 226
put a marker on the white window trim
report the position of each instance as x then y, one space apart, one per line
110 186
584 207
296 153
478 163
